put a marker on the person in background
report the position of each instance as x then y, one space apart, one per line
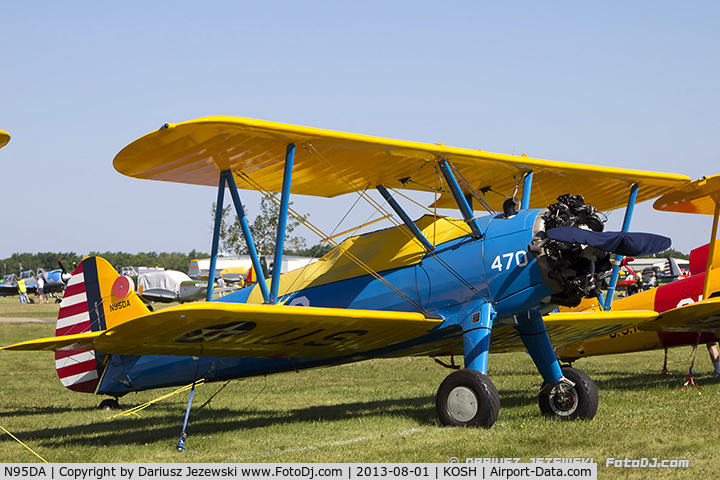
40 290
22 291
714 357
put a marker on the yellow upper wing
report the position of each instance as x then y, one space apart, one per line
573 327
240 330
330 163
4 138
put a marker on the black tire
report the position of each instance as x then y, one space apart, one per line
580 401
467 398
109 404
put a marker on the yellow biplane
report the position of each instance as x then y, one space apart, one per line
437 286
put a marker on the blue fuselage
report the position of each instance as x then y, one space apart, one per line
452 281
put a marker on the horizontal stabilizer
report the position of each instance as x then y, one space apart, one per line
623 243
80 340
241 330
688 318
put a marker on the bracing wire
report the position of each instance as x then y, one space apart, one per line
23 444
363 194
471 189
345 252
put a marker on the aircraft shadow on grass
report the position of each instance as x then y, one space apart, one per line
210 420
31 411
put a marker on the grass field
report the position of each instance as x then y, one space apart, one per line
375 411
11 307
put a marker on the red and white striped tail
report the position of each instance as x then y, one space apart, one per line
77 368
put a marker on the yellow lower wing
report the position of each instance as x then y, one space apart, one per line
574 327
242 330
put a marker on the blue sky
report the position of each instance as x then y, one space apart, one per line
628 84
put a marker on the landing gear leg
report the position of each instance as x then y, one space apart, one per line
567 393
468 398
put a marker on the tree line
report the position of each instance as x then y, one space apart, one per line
169 261
48 260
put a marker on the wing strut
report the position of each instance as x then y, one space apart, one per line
226 178
216 236
460 198
625 228
282 221
248 236
405 218
527 188
711 252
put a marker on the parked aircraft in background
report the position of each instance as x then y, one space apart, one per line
170 286
232 268
689 307
633 281
437 286
9 287
54 282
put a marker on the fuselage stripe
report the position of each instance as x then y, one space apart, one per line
69 353
73 329
80 378
72 310
69 301
94 299
74 359
75 369
70 321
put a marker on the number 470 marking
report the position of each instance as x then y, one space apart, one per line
520 258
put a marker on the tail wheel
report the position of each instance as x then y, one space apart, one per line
109 404
570 403
467 398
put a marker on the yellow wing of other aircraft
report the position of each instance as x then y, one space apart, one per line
565 327
4 138
688 318
686 305
701 197
330 163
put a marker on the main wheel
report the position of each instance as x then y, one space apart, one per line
570 403
467 398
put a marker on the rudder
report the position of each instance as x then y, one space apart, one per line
96 298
